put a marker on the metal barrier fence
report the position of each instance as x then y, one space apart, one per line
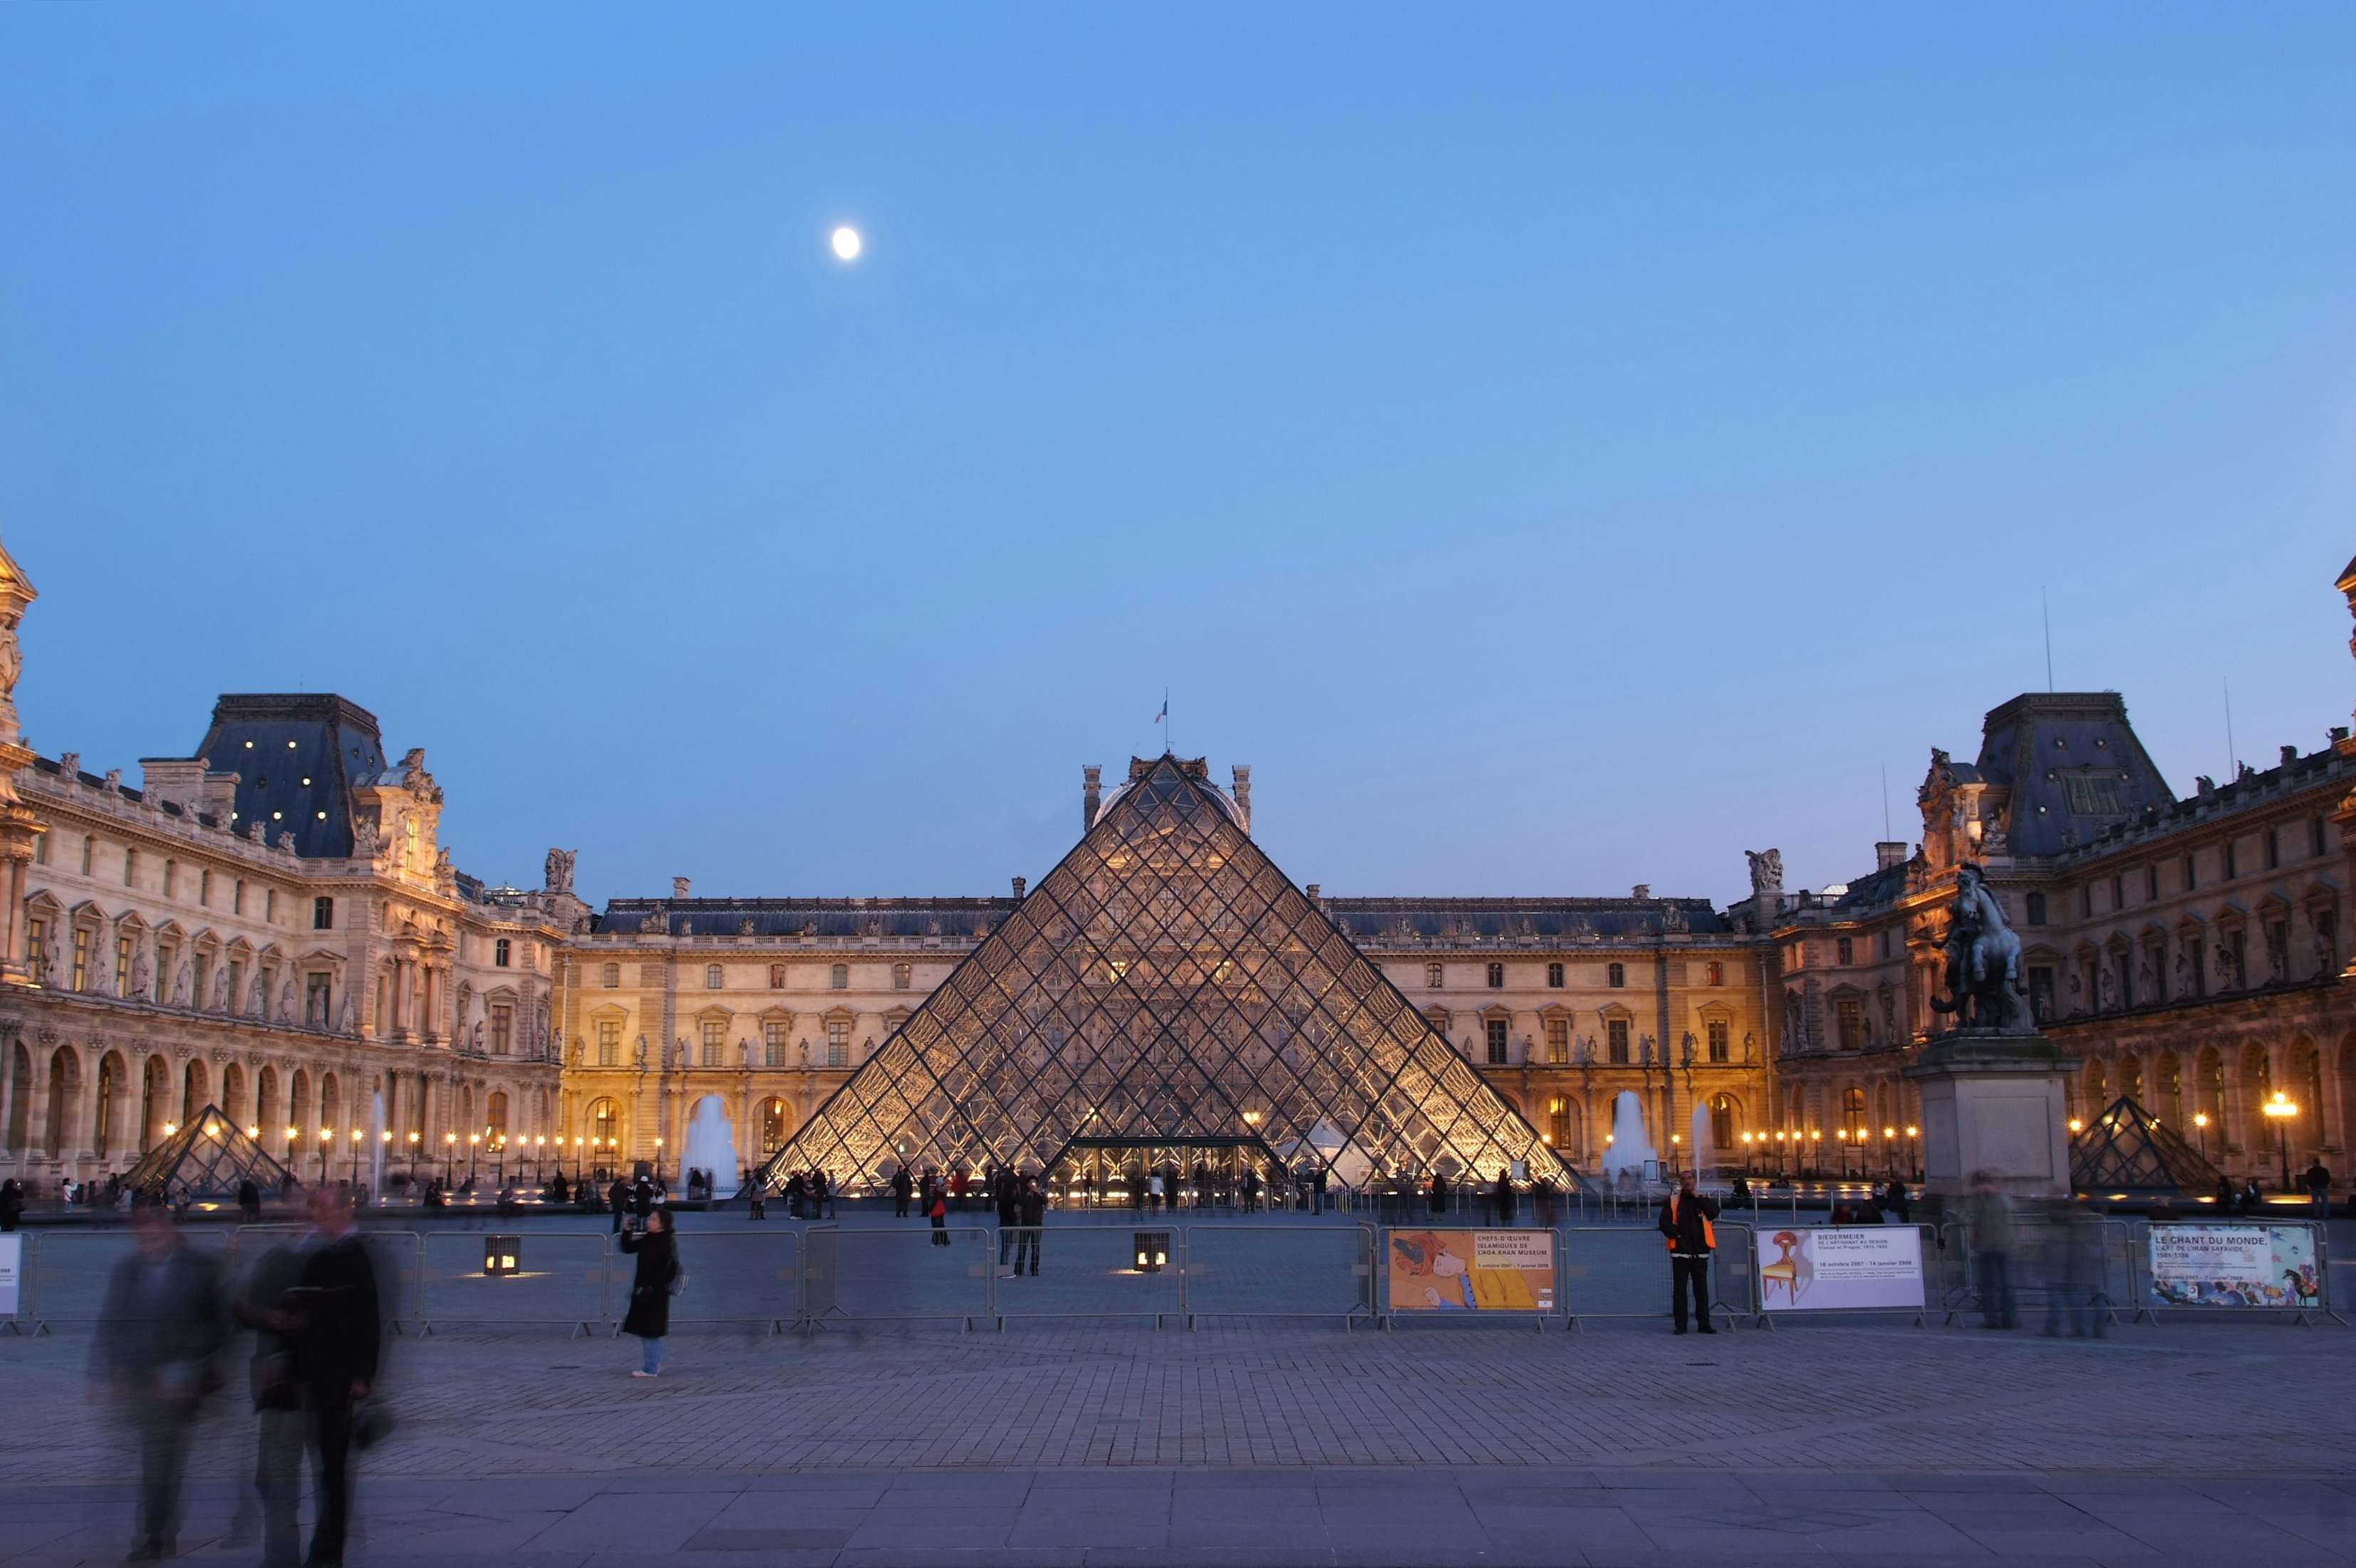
398 1255
1242 1270
532 1277
884 1272
1093 1271
1620 1271
740 1277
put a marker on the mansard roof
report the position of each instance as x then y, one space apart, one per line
2073 765
826 918
1484 919
297 754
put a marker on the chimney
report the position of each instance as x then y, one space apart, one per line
1642 890
1312 890
189 783
1019 885
1243 794
679 886
2339 733
1091 797
1889 852
2289 754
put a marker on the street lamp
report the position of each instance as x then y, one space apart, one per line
1746 1154
538 1153
1890 1141
325 1135
355 1157
290 1146
1915 1152
449 1159
1816 1139
658 1160
412 1159
472 1140
2200 1124
2280 1109
499 1157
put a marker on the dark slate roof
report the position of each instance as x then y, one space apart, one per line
1473 919
1874 887
2073 765
274 741
829 917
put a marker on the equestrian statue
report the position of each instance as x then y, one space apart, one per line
1984 980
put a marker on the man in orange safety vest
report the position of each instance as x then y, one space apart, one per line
1686 1221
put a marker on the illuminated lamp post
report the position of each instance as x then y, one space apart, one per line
356 1158
325 1134
2279 1111
659 1159
1914 1151
1890 1147
412 1159
1815 1148
473 1141
1746 1154
449 1159
2200 1125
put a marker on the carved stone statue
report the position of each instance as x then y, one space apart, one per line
2183 973
254 830
1685 1048
345 1021
2146 981
286 1002
142 973
180 982
745 1055
1766 872
2106 988
1750 1047
641 1053
364 838
2327 949
257 999
558 870
220 989
2278 953
805 1050
1983 968
1645 1051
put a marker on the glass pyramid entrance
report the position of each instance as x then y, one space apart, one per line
206 1158
1165 985
2127 1149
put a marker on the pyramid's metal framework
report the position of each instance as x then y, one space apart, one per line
2127 1149
206 1158
1165 982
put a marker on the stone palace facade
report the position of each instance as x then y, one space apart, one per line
273 924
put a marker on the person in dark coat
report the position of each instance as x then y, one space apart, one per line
336 1348
12 1204
938 1211
901 1187
1317 1190
1504 1198
642 1202
1686 1221
248 1200
1439 1193
265 1307
1035 1220
649 1314
161 1326
619 1197
794 1189
1897 1204
1009 1216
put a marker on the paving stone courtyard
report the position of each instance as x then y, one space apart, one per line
1285 1444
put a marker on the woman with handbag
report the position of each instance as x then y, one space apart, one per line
658 1278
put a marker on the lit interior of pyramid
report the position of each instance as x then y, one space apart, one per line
1165 989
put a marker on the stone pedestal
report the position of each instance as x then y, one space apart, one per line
1994 1102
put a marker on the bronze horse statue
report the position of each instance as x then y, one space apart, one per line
1983 961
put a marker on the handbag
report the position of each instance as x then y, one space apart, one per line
678 1279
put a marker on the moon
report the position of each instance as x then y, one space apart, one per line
846 243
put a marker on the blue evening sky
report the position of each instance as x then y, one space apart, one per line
1557 449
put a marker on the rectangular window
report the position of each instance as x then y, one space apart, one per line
1721 1050
1497 977
37 947
131 868
171 875
1554 977
2192 876
322 914
1615 1040
838 1042
611 977
2151 884
87 850
316 988
41 850
2118 893
270 905
902 977
2273 851
204 888
236 986
1715 970
80 958
502 1028
838 977
237 898
1496 1031
2085 900
1434 976
714 977
772 1043
1851 1017
2315 835
609 1042
715 1041
2232 861
122 966
502 953
1616 976
201 969
1557 1033
1845 951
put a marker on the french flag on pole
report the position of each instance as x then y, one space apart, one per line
1164 713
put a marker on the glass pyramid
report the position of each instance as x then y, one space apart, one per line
2127 1149
1165 985
204 1159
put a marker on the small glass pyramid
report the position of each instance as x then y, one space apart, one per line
2127 1149
1166 987
204 1159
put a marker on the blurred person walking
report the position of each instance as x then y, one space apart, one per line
1988 1217
264 1306
161 1329
658 1279
338 1343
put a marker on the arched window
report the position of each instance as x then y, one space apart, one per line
714 977
1721 1121
611 978
773 1127
605 1124
1559 1123
1497 977
838 977
1434 976
1616 976
495 1118
1853 1108
902 976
